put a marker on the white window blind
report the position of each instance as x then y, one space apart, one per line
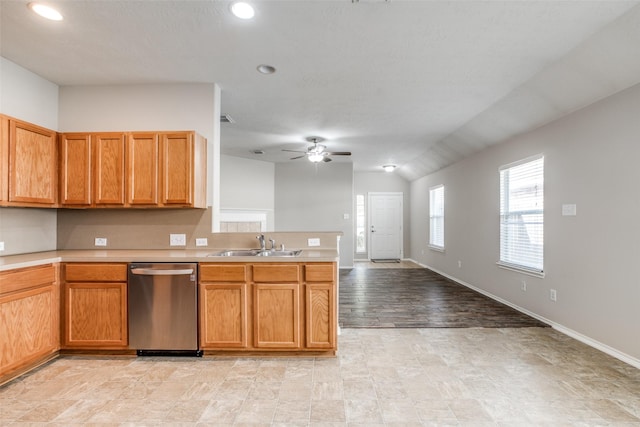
522 215
436 217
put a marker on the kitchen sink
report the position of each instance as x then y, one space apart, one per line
279 253
256 252
245 252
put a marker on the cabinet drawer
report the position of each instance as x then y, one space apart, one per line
223 273
100 272
319 273
25 278
276 273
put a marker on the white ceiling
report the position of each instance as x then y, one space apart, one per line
420 84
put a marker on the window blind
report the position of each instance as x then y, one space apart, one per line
522 215
436 217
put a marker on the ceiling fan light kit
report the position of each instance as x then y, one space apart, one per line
315 153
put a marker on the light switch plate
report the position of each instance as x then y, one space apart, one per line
202 241
313 242
101 241
1 246
177 240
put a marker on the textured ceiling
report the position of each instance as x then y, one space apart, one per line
417 83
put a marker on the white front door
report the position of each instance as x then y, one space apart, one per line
385 225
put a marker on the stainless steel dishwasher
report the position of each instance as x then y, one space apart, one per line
163 308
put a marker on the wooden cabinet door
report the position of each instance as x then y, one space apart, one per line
33 164
95 306
95 315
320 315
75 169
177 169
223 315
109 169
29 317
142 169
276 315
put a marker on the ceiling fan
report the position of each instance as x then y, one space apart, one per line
316 153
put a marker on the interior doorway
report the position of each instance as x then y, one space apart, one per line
385 226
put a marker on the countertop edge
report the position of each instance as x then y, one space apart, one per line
13 262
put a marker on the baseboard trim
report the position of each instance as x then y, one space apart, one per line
630 360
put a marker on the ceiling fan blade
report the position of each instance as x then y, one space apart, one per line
293 151
326 159
339 153
298 157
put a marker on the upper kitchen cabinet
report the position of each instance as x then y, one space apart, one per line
92 168
75 169
167 169
109 169
184 165
142 169
29 164
138 169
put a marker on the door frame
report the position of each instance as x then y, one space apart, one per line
368 225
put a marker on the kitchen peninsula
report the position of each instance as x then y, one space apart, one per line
75 301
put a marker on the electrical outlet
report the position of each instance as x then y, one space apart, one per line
202 241
1 246
523 286
177 239
459 264
313 242
101 241
553 295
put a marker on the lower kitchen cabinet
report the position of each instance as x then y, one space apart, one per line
320 306
95 306
223 306
276 315
29 318
268 306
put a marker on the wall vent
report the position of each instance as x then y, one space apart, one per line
225 118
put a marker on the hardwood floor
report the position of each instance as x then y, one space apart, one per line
381 297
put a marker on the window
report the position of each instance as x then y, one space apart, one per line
522 215
436 217
361 236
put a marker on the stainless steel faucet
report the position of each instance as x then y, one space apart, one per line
260 238
273 244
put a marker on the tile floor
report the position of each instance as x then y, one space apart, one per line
381 377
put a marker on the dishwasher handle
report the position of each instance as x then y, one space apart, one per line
158 272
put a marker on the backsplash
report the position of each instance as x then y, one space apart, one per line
26 230
150 229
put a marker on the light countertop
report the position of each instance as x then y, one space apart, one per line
144 255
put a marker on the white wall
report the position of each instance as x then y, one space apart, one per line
312 197
364 183
27 96
143 108
247 184
590 259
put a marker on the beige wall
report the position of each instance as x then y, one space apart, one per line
590 259
247 185
310 197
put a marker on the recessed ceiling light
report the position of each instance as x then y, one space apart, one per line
45 11
266 69
389 168
242 10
